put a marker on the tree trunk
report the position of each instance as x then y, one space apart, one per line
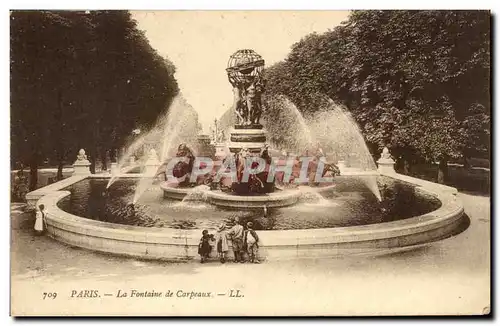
104 158
406 166
115 155
60 170
92 161
60 139
443 170
466 162
33 171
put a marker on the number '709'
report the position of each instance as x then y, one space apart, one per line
50 295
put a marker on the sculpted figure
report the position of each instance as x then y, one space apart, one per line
239 103
247 102
183 150
265 154
254 101
385 154
81 155
183 169
240 163
250 102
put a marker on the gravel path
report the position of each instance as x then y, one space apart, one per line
447 277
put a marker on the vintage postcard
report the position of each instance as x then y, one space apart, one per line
250 163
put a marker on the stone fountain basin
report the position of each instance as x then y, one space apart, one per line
177 244
276 199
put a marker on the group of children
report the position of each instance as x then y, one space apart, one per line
244 241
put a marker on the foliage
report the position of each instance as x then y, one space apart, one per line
279 134
227 121
81 80
415 81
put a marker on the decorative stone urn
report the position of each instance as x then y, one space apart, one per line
82 164
386 163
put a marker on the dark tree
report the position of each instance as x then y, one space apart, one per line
415 81
81 80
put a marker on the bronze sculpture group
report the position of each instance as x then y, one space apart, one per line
247 102
244 72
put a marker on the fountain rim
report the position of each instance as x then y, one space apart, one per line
51 200
221 199
282 198
219 194
451 211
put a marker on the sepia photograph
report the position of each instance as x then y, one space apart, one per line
250 163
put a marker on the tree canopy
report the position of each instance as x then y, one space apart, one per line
415 81
81 80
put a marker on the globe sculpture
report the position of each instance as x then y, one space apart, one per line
244 71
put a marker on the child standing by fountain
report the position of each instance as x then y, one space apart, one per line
236 233
221 240
252 242
39 222
204 247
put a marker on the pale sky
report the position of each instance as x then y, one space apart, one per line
199 44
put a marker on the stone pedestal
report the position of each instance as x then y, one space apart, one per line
81 167
251 137
152 164
114 168
204 148
386 163
342 166
252 140
82 164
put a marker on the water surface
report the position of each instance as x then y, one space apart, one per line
349 203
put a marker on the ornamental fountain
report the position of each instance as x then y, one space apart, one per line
256 174
297 218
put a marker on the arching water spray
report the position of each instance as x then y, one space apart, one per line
125 159
287 128
178 126
350 142
331 128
